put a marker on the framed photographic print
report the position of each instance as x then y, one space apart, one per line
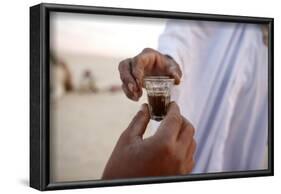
127 96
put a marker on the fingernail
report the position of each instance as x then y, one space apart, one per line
131 87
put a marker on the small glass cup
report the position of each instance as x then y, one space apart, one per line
158 93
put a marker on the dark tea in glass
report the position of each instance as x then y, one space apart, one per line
158 94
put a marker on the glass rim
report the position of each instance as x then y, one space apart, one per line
158 78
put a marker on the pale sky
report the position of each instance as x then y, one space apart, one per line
112 36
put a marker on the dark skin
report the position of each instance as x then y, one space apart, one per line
148 62
168 152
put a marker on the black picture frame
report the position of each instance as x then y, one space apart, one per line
40 100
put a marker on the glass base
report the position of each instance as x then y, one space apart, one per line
157 118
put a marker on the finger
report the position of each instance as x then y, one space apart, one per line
139 123
138 64
185 137
191 150
145 62
127 78
174 70
187 131
171 125
189 166
129 94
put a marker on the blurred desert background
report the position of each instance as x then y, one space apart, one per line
87 120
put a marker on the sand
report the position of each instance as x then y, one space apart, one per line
84 131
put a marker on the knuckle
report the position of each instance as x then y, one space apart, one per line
174 105
137 59
125 78
191 130
148 50
140 59
122 65
175 118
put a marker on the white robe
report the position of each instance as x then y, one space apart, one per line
223 91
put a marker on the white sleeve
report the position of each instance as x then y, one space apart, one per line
174 41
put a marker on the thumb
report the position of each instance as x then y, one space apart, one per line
139 123
172 122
